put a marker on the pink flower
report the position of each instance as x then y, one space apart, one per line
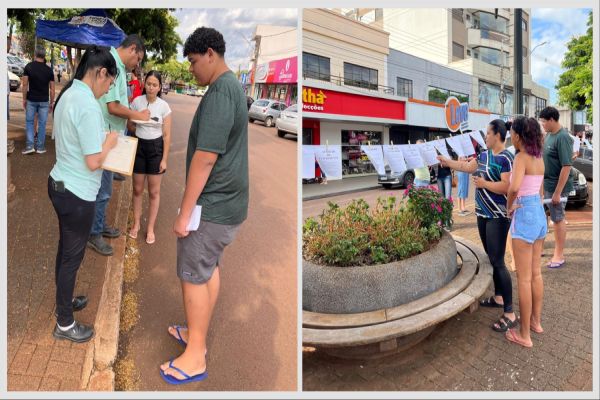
432 206
450 198
406 191
439 209
439 223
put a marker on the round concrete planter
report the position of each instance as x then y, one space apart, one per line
346 290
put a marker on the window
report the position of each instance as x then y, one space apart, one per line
355 75
438 95
315 67
458 50
468 52
457 14
540 104
487 21
491 56
404 87
524 25
354 161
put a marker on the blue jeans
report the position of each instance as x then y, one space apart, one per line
102 199
445 186
41 107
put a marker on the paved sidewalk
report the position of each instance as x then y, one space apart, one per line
36 361
464 354
314 191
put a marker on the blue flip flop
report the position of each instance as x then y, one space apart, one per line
188 379
179 338
553 264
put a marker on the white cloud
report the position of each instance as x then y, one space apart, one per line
236 25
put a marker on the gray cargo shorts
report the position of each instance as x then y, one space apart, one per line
557 213
199 253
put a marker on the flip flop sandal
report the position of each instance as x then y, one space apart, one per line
131 235
553 264
490 302
187 378
504 324
511 336
178 337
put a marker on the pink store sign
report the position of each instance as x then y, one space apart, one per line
283 71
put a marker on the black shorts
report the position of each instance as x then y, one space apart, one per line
148 156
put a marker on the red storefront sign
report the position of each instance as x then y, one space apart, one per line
330 102
283 71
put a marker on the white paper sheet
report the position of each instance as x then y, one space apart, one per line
194 222
576 144
467 144
395 158
330 160
412 156
440 146
477 135
375 154
308 162
122 156
428 153
455 143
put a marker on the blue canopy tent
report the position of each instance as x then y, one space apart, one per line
93 27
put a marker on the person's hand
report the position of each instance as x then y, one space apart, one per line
512 209
143 115
163 166
111 139
180 226
479 182
443 160
556 198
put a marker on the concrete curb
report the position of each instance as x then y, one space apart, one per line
325 195
98 374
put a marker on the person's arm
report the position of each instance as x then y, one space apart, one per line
518 173
166 142
117 109
564 150
95 161
24 89
52 94
200 168
463 166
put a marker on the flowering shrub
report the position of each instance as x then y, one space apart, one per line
360 235
430 207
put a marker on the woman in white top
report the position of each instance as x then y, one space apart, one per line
154 140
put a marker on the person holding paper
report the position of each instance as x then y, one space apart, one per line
422 175
217 180
528 227
116 111
154 140
492 168
558 150
81 147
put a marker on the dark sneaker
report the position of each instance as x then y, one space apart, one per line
111 232
98 244
28 150
79 333
40 151
79 303
118 177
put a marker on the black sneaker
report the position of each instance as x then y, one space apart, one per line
79 333
111 232
79 303
98 244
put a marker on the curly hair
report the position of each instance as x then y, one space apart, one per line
202 39
530 135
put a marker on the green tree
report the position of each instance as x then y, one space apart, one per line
575 85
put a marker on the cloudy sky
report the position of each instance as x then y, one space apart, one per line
557 27
236 25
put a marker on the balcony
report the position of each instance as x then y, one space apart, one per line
341 81
487 38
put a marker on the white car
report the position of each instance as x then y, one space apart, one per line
15 81
288 121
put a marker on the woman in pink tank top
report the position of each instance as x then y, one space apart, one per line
528 226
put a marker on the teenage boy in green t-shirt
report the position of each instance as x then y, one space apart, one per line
558 159
216 180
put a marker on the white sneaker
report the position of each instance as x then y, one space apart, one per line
28 151
42 151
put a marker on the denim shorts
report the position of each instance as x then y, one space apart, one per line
557 213
529 221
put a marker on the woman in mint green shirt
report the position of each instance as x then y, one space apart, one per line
81 147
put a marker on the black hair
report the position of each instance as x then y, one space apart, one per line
499 128
202 39
158 76
135 40
530 134
94 57
549 113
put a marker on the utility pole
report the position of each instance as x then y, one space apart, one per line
256 51
518 62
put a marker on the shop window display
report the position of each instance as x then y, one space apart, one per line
354 161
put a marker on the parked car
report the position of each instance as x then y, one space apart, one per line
287 121
265 110
584 162
15 81
403 179
249 101
198 92
579 195
14 65
165 88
